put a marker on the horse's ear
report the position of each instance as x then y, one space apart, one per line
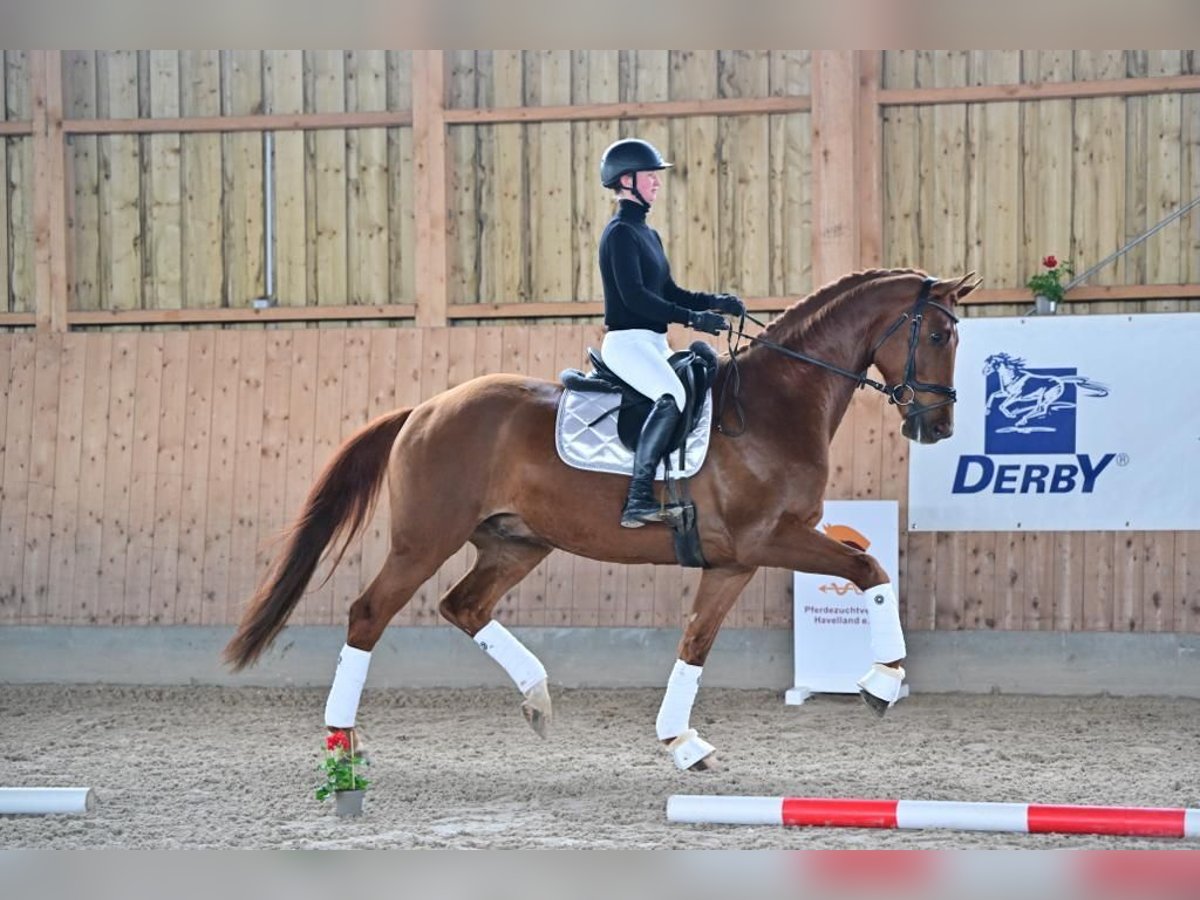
957 288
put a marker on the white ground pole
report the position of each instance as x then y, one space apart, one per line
43 801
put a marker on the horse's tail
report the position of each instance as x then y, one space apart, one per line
337 507
1093 388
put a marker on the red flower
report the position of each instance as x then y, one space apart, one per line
1050 262
337 739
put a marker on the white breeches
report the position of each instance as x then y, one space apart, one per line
640 357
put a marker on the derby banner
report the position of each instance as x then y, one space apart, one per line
1067 423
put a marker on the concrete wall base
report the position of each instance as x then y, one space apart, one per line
967 661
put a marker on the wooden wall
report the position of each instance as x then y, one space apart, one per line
143 466
145 473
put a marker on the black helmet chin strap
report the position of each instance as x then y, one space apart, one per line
633 189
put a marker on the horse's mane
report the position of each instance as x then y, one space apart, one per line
811 310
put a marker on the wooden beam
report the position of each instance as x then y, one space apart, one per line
15 129
229 316
1098 292
274 122
49 191
868 147
835 210
596 112
1057 90
431 189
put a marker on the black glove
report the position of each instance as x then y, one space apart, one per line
711 322
728 303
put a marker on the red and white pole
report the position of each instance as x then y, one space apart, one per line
1031 818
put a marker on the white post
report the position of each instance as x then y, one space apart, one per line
43 801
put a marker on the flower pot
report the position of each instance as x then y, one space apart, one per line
349 803
1044 305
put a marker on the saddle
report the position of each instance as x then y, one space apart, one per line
696 369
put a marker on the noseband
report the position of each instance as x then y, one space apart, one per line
903 394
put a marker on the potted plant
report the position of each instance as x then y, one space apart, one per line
342 781
1047 285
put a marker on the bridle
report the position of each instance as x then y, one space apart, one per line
903 394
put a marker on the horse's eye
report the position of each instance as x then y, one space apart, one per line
937 337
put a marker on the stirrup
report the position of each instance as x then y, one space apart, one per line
689 748
637 516
881 687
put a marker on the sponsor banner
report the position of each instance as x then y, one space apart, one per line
1068 423
832 637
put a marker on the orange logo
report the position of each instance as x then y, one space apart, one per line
848 536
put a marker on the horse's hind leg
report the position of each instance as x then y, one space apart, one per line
502 561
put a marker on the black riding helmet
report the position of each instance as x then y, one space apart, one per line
626 157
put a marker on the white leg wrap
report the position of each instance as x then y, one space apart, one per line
676 710
884 682
689 748
514 657
342 705
883 613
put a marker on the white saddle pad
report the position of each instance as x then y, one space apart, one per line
598 448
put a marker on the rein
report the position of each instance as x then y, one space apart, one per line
895 393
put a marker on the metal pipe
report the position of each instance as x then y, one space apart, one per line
46 801
1079 279
269 212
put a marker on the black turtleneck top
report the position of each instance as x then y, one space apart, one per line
638 289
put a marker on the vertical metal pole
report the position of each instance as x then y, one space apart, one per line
269 214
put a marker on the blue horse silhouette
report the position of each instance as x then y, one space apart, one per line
1026 396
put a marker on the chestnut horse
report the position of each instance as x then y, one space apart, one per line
477 463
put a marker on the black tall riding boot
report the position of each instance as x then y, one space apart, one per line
642 506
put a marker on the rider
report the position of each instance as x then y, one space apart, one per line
640 299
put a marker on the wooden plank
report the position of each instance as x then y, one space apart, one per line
1063 90
1015 583
327 203
901 160
1164 189
5 223
433 364
744 194
15 474
220 500
994 240
274 474
506 238
162 190
1187 582
350 579
463 222
693 193
868 162
402 183
835 225
218 124
49 189
550 183
1137 142
169 475
409 369
381 392
866 480
627 110
242 180
247 463
61 565
200 167
430 189
120 184
949 581
147 414
197 455
1047 165
367 175
228 316
21 205
1068 564
1099 580
1190 180
39 522
84 177
1158 589
1039 550
283 77
1128 590
945 234
596 78
93 440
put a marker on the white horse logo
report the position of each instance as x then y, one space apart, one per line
1025 396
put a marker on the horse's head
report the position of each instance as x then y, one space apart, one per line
1002 361
915 352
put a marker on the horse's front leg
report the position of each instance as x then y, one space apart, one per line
808 550
718 589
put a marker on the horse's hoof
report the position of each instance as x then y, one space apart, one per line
708 764
875 704
692 753
536 708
